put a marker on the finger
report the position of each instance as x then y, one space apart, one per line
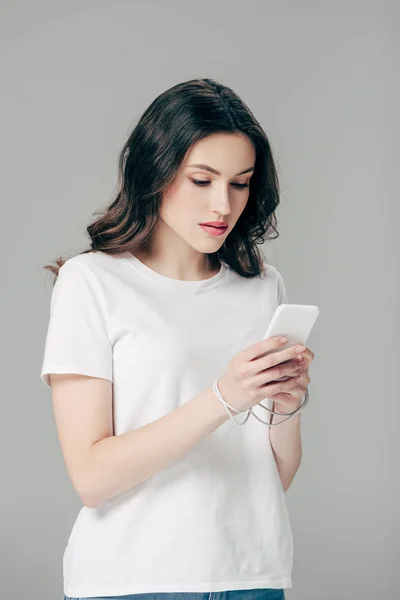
279 356
307 358
279 387
309 355
304 380
303 370
289 368
262 347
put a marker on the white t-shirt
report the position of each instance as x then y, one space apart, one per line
215 520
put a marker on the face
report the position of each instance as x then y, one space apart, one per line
198 195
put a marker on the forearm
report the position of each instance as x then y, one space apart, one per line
286 446
121 462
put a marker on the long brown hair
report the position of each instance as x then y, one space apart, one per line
151 156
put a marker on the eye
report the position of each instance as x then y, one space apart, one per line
202 183
240 186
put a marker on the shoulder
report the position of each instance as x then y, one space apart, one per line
81 286
95 274
90 261
269 278
91 265
82 275
271 272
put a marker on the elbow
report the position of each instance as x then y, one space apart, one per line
87 484
90 503
88 498
86 490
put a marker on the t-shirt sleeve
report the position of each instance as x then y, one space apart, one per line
77 340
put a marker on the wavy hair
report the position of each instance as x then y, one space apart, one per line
151 156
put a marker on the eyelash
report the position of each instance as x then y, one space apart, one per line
201 183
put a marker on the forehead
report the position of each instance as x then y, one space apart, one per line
229 153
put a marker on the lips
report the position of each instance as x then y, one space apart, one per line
213 230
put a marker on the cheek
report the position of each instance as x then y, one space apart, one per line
177 208
179 201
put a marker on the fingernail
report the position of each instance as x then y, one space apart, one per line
300 348
283 339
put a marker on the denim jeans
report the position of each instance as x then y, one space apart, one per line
253 594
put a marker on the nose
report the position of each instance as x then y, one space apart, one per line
220 202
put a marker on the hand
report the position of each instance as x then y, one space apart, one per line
251 375
289 400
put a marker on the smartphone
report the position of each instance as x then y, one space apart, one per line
295 321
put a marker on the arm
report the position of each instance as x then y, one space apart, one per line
286 438
286 447
102 465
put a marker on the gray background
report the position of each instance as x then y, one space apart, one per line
321 78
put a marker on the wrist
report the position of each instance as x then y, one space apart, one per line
282 410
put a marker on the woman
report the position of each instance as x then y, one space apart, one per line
178 500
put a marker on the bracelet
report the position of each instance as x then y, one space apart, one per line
229 408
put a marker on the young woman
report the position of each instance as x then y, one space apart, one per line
178 500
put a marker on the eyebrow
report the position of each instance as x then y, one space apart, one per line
211 170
